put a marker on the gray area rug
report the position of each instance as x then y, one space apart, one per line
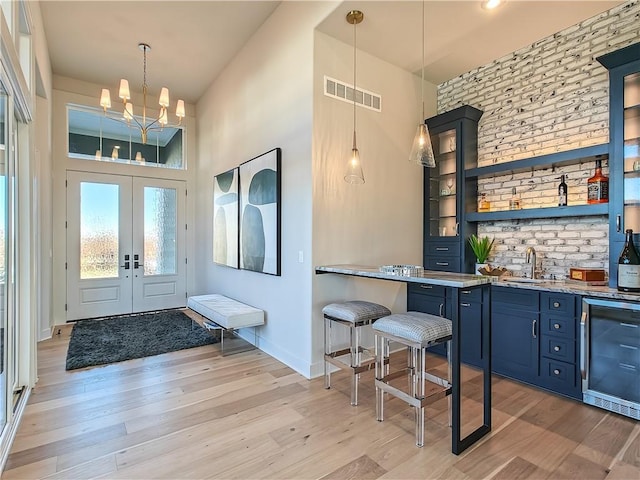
115 339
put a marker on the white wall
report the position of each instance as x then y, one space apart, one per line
379 222
264 100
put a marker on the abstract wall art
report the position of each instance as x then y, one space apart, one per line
260 213
225 218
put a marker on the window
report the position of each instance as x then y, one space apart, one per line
96 136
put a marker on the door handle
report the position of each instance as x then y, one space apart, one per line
618 224
533 328
125 266
585 345
137 264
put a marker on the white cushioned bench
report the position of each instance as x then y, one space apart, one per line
225 313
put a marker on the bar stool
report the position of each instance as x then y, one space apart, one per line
352 315
417 331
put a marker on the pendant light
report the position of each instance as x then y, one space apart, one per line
422 151
354 173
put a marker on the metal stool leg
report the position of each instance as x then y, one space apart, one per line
355 362
327 351
380 349
420 395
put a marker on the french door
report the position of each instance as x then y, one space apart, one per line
125 244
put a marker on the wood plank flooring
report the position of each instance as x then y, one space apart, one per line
196 414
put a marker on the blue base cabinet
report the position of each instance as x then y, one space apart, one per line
534 338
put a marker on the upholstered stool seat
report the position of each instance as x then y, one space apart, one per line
353 315
417 331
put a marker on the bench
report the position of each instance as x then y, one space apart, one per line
225 314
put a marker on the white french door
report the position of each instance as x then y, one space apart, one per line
125 244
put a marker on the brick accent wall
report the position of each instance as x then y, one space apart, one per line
548 97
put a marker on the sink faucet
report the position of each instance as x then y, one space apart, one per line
531 259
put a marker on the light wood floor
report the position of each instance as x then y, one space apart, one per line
195 414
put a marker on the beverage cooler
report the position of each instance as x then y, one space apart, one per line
610 355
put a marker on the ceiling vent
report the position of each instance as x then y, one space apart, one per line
344 91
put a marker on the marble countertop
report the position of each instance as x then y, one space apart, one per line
464 280
568 286
432 277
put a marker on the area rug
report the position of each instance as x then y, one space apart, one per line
109 340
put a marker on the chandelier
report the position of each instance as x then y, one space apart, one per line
127 114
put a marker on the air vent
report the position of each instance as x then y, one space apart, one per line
344 91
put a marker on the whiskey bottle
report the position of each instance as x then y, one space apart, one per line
514 202
483 203
629 266
598 186
562 192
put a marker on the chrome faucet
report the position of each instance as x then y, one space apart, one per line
531 259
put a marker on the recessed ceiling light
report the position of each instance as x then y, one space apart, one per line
491 4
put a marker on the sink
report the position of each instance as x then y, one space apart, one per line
523 279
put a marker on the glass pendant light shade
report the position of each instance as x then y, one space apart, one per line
354 174
422 151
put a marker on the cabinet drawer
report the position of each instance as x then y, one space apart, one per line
558 325
424 289
443 264
558 348
444 248
427 304
558 303
468 295
553 372
519 297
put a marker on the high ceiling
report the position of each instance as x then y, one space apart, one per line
192 41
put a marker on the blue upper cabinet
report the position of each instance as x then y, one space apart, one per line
447 194
624 163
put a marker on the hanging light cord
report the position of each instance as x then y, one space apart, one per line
422 83
354 84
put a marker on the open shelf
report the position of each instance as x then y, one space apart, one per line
594 209
569 157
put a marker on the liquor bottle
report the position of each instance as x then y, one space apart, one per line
483 203
629 266
562 192
598 186
514 202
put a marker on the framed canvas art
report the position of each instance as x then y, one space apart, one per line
225 218
260 213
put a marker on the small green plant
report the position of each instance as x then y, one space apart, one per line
481 247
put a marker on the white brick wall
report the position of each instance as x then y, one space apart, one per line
548 97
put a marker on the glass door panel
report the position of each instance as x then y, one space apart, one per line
4 244
631 152
443 185
160 231
99 230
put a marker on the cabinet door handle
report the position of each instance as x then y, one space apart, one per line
556 304
556 372
442 249
426 286
556 326
466 292
441 310
442 264
457 229
533 328
556 348
464 304
630 325
618 223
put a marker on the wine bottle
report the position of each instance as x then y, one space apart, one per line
562 192
598 186
629 266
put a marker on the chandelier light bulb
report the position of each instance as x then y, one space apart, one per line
124 93
105 99
164 97
163 120
180 113
128 111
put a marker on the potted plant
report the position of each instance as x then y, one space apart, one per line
481 248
